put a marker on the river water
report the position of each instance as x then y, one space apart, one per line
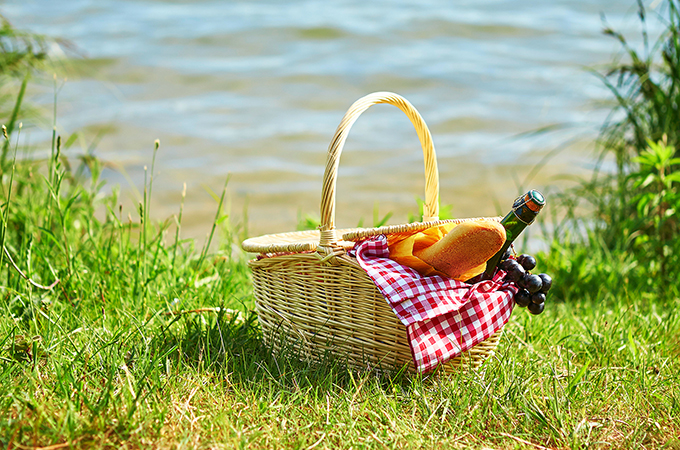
253 90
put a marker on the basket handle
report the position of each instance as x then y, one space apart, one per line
431 207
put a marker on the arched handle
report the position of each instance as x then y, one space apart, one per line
431 207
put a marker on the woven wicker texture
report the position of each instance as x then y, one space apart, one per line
306 288
336 309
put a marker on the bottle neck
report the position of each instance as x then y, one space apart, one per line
513 227
515 223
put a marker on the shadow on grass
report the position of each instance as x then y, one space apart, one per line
234 347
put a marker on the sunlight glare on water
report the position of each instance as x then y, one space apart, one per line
256 89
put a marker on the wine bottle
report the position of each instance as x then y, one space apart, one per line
524 210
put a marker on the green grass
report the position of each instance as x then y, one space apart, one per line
115 332
139 345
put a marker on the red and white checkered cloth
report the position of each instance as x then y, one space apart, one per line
443 317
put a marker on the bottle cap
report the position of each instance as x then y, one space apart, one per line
535 200
527 206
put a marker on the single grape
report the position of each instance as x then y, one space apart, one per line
520 282
507 264
516 274
536 308
515 271
527 261
538 297
523 298
547 282
532 283
507 254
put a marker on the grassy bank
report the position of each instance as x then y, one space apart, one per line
116 332
137 345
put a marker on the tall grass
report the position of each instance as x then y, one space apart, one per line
645 85
87 292
631 223
21 51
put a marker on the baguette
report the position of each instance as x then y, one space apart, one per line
467 246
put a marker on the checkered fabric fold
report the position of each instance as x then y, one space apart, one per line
443 317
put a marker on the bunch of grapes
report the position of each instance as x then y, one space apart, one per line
532 288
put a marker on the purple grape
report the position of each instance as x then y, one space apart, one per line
547 282
514 269
527 261
538 297
522 298
531 283
507 264
536 308
517 274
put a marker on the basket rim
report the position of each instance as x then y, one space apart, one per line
308 240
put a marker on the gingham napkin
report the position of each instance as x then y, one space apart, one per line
443 317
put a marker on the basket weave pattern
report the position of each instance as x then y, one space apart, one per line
308 289
353 321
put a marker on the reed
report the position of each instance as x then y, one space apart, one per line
625 216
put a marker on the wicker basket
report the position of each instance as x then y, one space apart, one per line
308 289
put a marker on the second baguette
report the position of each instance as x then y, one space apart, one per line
469 245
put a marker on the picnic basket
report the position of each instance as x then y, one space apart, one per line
309 292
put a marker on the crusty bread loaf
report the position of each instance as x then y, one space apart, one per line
467 246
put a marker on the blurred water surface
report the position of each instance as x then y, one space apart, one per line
256 89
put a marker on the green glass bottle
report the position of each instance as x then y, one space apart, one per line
524 210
